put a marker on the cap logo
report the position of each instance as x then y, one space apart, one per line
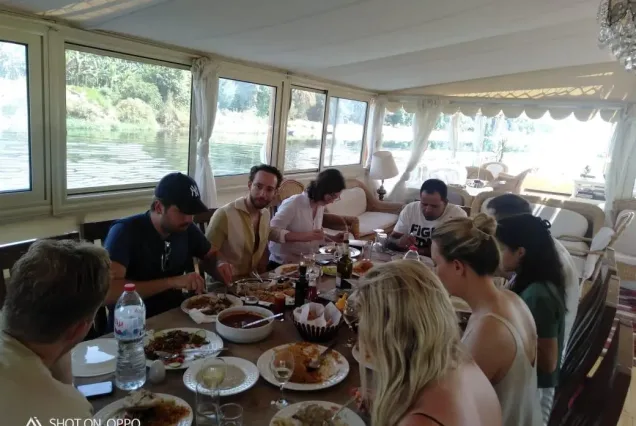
194 191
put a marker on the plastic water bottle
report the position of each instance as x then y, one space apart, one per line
130 329
412 254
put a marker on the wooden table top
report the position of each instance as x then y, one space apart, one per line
256 402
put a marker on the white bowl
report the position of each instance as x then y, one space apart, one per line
247 335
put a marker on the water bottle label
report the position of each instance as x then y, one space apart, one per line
130 328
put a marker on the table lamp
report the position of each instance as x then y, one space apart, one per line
382 167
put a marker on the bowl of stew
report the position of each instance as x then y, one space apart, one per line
230 321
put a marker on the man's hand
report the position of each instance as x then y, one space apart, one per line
406 241
226 271
190 282
317 235
338 238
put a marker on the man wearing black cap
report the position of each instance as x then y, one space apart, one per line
154 250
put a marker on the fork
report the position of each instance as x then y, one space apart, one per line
314 364
330 422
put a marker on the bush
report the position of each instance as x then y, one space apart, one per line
80 107
136 88
136 111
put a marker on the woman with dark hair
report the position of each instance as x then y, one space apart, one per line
298 221
529 252
501 335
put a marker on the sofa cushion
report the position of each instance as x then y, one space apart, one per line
575 245
352 202
564 222
626 243
376 220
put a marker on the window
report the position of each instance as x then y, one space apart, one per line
127 121
397 137
15 158
243 127
304 130
345 132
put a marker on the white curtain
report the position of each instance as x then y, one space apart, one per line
619 182
374 135
426 115
480 132
205 81
453 133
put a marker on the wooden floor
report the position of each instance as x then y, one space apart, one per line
629 410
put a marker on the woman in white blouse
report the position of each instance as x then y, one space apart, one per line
298 221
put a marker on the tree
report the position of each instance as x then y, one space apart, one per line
263 100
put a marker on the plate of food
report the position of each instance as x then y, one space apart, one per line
366 362
266 293
330 270
210 304
169 346
240 375
147 408
315 413
288 270
361 267
331 249
333 370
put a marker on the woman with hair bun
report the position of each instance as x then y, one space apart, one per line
500 334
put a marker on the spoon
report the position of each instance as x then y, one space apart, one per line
330 422
314 364
249 324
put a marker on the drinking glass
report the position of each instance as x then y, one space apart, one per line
367 248
282 367
209 379
350 315
231 415
380 242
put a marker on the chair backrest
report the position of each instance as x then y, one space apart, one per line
288 187
10 253
513 184
95 232
495 167
479 173
202 220
589 335
459 196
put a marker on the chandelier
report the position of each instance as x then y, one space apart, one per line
618 30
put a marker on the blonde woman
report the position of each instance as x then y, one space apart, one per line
501 335
421 375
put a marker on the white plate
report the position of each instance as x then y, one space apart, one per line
331 249
424 259
358 357
249 369
346 416
340 371
110 411
235 302
215 342
94 358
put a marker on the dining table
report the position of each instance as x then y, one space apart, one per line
257 401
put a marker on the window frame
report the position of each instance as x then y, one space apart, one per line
228 71
66 200
36 198
364 131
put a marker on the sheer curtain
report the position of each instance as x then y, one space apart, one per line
619 182
426 115
374 135
205 82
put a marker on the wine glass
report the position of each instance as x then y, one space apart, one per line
350 315
208 399
282 367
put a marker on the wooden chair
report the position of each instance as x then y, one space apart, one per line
96 232
508 183
288 187
589 334
495 167
202 220
479 173
10 253
600 397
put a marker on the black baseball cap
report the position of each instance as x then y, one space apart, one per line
182 191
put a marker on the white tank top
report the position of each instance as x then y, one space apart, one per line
517 391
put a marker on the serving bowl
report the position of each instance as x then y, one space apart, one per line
244 335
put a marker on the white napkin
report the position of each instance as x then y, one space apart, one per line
199 317
324 315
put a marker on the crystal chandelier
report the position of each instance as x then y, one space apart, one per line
618 30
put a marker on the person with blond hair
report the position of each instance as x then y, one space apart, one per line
422 376
501 334
52 296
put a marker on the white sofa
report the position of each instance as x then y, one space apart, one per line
361 212
625 246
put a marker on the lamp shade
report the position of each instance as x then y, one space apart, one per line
383 166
